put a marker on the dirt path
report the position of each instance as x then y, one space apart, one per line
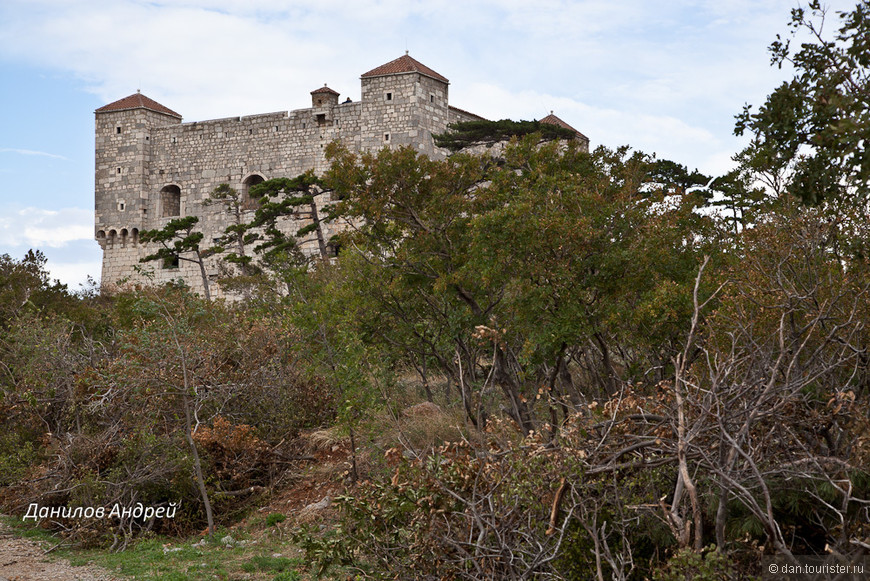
23 560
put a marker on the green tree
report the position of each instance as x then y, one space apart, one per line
25 284
283 198
177 241
236 235
596 254
809 138
413 239
510 272
470 133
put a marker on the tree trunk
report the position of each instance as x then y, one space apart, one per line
610 374
201 261
188 432
511 390
197 465
321 243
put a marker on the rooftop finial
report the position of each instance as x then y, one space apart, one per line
406 52
551 111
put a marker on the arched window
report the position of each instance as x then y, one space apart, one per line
170 201
247 202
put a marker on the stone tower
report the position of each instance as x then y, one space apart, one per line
123 163
405 103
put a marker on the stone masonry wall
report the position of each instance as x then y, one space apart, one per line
153 151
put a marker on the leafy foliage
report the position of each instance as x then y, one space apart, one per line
292 198
236 235
628 376
468 133
811 132
177 239
114 406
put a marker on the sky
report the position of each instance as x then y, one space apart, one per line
662 76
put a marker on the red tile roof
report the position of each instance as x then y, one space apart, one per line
404 64
553 120
137 101
324 89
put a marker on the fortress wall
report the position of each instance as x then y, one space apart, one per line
197 157
155 150
122 256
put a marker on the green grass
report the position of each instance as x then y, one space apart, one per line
275 518
267 563
158 559
165 559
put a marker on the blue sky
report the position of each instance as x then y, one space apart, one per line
665 77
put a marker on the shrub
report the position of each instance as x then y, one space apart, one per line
689 565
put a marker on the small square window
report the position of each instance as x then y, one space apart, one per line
121 206
119 170
389 96
118 129
386 136
431 98
276 129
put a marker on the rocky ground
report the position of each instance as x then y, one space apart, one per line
23 560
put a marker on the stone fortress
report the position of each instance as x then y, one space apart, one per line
151 167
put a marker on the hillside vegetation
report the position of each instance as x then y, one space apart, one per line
550 364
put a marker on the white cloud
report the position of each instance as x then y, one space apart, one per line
696 60
74 274
31 152
214 58
65 236
39 228
664 135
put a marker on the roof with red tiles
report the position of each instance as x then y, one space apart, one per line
553 120
137 101
324 89
404 64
